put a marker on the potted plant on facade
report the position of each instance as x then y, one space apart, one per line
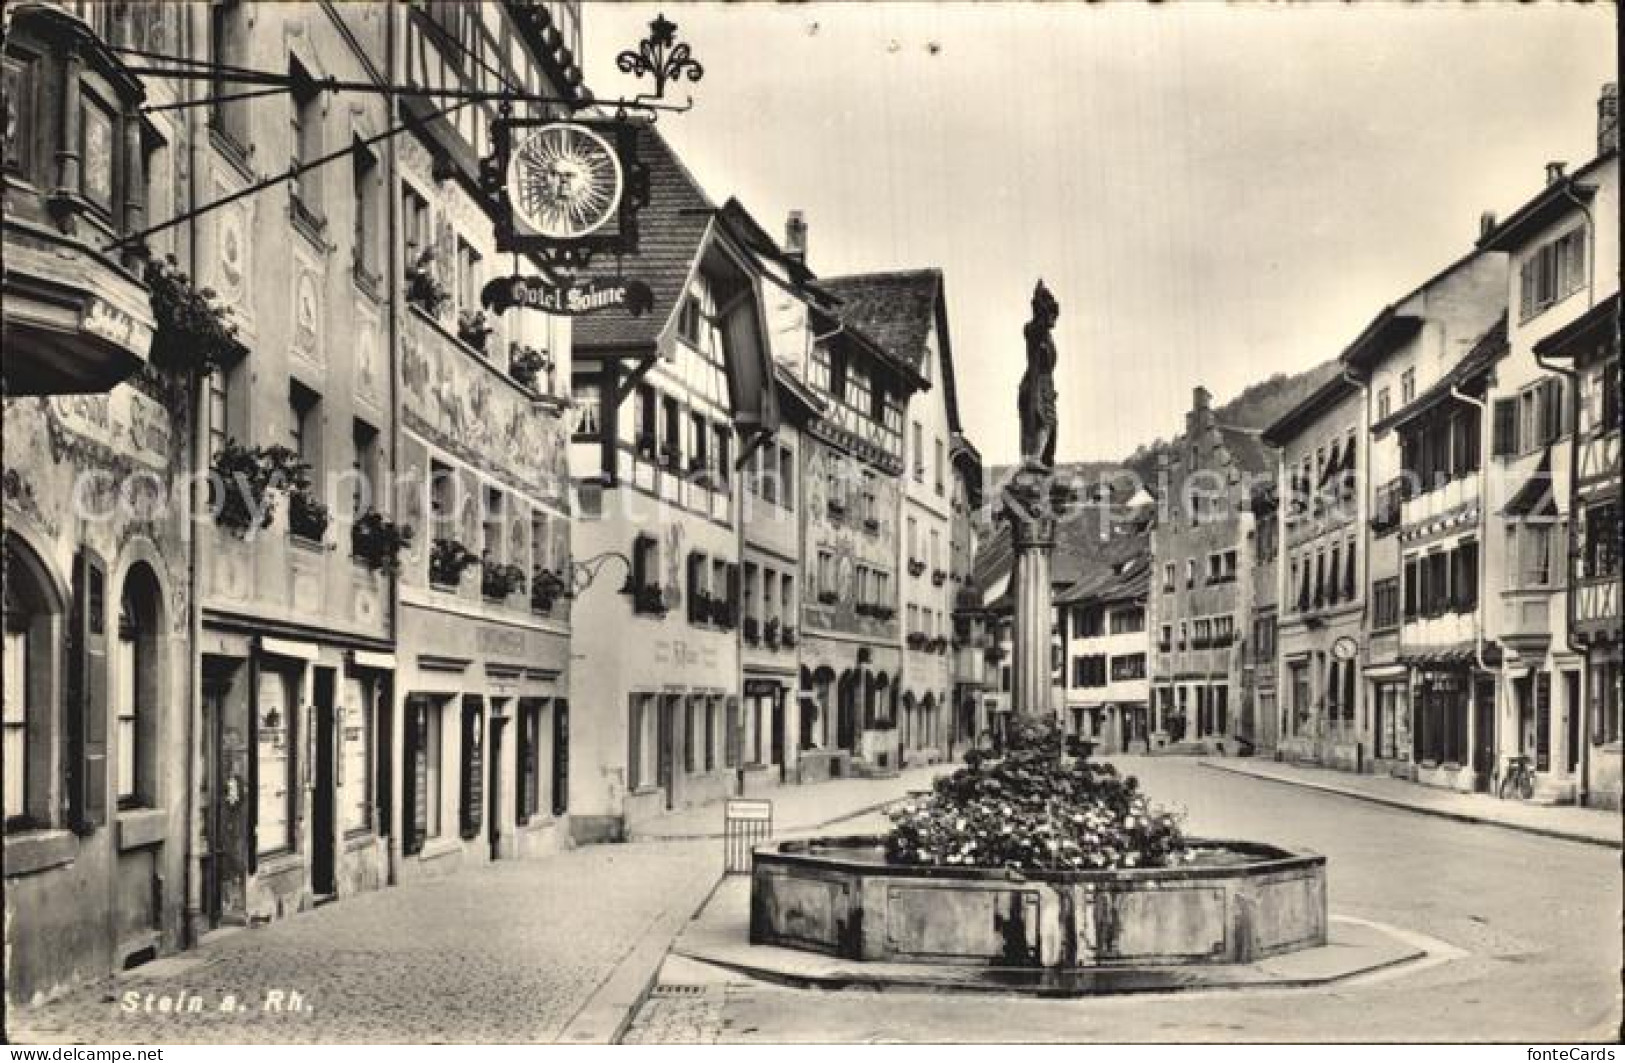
670 457
192 334
243 482
828 597
646 446
699 607
649 599
527 364
473 329
723 613
788 639
448 558
423 288
938 577
915 567
770 633
308 516
499 580
752 630
377 542
546 586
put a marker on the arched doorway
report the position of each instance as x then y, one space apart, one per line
909 724
34 608
848 692
928 721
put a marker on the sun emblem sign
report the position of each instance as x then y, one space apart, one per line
564 181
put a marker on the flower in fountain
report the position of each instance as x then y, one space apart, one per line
1036 808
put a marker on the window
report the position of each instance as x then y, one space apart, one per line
364 208
226 48
1384 403
277 739
1554 271
471 767
1264 638
305 427
1166 642
787 477
671 455
1605 701
642 744
1089 671
689 319
1407 386
468 278
364 467
939 465
1128 621
1190 572
919 453
425 771
724 456
491 538
1168 574
529 795
416 223
1184 634
1128 667
305 119
129 668
1385 603
1087 622
21 679
1599 546
1530 552
818 370
693 705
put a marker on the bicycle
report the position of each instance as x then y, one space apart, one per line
1519 779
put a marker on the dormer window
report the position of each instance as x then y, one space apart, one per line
689 319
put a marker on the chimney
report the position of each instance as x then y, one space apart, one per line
1554 172
1608 119
795 237
1486 224
1200 398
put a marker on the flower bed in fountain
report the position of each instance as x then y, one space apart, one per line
1035 859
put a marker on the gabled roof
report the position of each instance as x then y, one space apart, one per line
1121 572
895 312
1320 401
1548 205
672 231
1490 349
1247 448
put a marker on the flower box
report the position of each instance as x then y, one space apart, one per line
649 600
498 580
377 542
448 559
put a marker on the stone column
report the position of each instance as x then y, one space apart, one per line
1027 508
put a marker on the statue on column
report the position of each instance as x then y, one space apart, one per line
1035 402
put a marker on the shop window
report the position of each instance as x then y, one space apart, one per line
355 761
471 783
1605 702
276 712
713 709
642 745
422 785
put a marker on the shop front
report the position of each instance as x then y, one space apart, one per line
1453 743
483 747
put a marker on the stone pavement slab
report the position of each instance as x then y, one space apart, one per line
797 809
1593 826
720 936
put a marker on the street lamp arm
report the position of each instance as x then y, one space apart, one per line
584 573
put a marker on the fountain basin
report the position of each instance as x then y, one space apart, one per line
1237 903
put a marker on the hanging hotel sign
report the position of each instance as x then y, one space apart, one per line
565 190
571 298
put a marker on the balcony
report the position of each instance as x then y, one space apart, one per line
77 317
1445 499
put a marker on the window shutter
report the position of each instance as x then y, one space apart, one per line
86 759
1467 599
1526 284
1506 427
695 566
733 588
1349 580
561 757
414 784
634 742
1411 596
473 771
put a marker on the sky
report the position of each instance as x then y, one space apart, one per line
1213 193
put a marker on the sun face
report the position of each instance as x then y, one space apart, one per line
564 181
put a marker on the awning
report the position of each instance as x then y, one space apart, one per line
1459 655
1536 495
299 651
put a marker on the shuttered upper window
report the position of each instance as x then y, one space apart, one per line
1554 271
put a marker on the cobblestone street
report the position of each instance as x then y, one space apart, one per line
505 953
508 952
